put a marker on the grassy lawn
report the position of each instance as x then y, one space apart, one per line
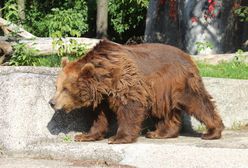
50 61
235 70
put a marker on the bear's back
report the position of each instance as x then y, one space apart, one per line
152 57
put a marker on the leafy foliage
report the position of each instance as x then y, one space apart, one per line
73 48
239 58
64 23
59 21
34 21
126 15
11 11
202 46
242 12
26 56
64 18
23 56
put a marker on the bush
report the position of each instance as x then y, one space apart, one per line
126 17
61 18
64 21
242 12
11 11
23 56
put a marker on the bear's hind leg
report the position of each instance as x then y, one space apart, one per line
167 127
203 109
97 131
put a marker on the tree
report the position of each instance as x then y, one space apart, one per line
161 23
102 18
242 12
188 23
21 9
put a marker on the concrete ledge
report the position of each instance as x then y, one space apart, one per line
26 118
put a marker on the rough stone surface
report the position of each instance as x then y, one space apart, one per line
31 163
186 151
26 118
24 113
45 163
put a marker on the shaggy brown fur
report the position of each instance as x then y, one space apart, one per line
148 79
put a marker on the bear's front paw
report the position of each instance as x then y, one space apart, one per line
152 134
120 140
86 137
211 135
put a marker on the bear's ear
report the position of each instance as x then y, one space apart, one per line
64 61
88 70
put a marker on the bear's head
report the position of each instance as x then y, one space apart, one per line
77 86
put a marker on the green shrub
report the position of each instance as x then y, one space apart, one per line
63 18
126 15
11 11
242 12
61 21
239 57
34 21
73 48
65 23
202 46
23 56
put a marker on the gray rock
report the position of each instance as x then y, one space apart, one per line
26 117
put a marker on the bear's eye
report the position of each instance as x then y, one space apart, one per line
65 89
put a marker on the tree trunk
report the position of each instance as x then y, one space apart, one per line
102 18
1 14
196 22
220 30
1 6
91 4
44 46
244 31
21 9
8 27
159 26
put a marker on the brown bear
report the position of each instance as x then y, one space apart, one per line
136 81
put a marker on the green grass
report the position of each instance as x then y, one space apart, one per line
67 138
51 60
235 70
